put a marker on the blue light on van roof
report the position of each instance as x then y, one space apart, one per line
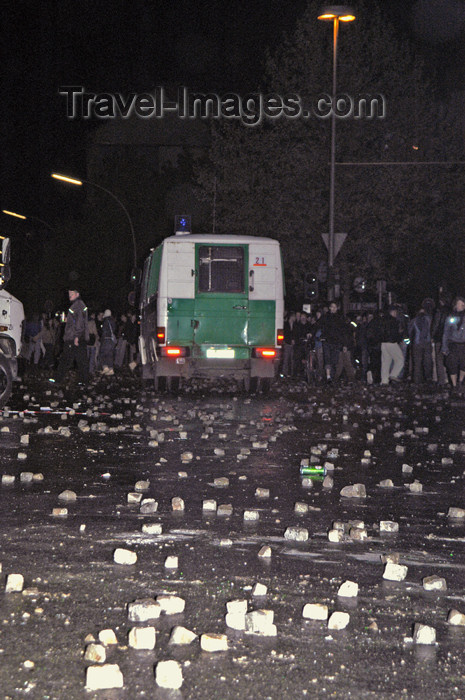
182 223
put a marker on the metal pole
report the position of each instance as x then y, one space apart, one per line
332 175
214 206
125 211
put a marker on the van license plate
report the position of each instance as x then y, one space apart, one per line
180 360
221 353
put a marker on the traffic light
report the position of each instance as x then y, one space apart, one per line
310 286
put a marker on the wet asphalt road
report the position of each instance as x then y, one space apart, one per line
99 444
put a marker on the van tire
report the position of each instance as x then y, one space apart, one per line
173 384
250 385
6 381
159 383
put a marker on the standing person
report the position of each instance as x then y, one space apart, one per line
48 340
332 335
288 346
93 344
437 331
299 334
403 321
33 334
75 337
361 345
318 347
132 333
98 323
392 358
122 342
420 345
453 343
345 360
374 335
107 343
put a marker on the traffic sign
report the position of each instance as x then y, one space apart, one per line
339 239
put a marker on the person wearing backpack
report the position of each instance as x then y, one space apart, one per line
421 347
107 343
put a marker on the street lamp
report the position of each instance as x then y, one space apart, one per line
74 181
22 216
334 14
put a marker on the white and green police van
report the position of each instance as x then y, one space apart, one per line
212 306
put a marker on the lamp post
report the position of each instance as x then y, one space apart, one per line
74 181
25 218
334 14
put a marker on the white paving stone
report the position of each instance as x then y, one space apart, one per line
124 557
335 535
152 528
349 589
354 491
96 653
168 674
434 583
259 590
171 604
338 620
456 617
68 496
315 611
171 562
107 637
394 572
456 513
213 642
142 638
14 583
424 634
143 610
104 677
181 635
298 534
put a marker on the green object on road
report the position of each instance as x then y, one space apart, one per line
313 470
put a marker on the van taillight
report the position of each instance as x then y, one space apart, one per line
279 337
161 334
265 352
173 351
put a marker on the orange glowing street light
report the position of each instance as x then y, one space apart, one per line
334 14
25 218
340 12
13 213
71 180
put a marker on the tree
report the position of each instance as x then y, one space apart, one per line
273 178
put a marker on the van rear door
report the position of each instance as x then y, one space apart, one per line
265 289
221 298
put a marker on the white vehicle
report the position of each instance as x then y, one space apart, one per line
11 324
212 306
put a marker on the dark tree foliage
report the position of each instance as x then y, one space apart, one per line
403 220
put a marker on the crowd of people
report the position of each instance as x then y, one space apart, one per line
374 347
378 347
98 342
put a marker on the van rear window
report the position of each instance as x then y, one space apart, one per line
221 269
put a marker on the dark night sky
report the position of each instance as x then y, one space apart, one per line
132 46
